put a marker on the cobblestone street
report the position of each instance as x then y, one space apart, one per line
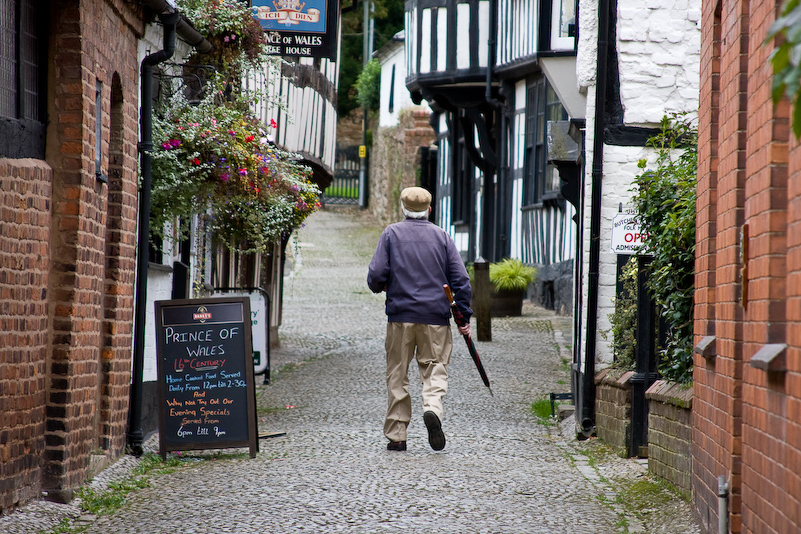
502 471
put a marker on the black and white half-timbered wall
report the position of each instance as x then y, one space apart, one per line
542 113
499 74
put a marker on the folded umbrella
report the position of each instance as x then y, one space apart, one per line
461 321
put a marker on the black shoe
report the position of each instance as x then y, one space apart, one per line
435 436
396 446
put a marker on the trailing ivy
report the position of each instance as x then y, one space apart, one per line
664 199
786 58
624 320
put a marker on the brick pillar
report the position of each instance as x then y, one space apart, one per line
93 239
24 248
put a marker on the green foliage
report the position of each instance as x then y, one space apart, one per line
388 20
624 320
511 275
786 58
368 85
665 203
238 39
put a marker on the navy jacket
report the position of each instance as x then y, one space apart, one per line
413 260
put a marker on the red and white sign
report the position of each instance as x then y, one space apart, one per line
626 235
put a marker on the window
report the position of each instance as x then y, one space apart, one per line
392 91
23 49
540 180
463 176
563 24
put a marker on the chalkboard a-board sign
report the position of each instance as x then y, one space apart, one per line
205 374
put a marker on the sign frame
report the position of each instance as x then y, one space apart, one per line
166 443
624 224
257 336
294 33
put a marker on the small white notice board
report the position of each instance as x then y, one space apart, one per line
627 238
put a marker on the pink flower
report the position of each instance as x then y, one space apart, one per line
175 143
243 172
273 124
224 177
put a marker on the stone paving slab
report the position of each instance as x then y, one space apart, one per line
501 471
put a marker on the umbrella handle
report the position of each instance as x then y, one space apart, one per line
449 293
457 315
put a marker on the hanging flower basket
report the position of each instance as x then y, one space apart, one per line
215 158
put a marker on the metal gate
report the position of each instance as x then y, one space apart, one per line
345 187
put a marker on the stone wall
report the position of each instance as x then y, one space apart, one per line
613 409
395 163
553 287
670 432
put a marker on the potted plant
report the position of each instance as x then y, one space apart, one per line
510 279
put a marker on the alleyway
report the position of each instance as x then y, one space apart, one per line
501 471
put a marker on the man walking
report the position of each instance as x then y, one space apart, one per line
413 260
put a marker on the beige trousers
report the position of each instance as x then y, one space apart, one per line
432 345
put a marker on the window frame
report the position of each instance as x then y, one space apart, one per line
542 106
22 130
462 177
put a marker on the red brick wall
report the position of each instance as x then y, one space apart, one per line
722 138
746 419
25 187
72 278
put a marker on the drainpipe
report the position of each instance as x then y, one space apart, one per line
588 394
184 30
492 45
723 505
135 435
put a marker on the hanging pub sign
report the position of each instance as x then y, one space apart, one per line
299 28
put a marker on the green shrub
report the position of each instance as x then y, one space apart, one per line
665 203
368 85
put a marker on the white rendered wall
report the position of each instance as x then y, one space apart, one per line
658 45
402 97
159 281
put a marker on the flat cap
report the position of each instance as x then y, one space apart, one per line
415 199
